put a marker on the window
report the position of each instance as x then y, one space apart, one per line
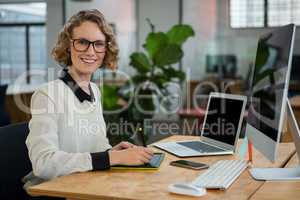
264 13
244 13
22 41
281 12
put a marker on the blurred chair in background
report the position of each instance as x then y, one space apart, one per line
4 117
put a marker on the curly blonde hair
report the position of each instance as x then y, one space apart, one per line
61 51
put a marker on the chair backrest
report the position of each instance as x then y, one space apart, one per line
14 160
4 117
3 89
14 157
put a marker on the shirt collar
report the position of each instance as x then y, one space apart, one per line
78 92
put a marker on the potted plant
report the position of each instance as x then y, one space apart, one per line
153 71
154 66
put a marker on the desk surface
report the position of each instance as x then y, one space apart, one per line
119 184
280 189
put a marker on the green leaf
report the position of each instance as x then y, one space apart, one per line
170 54
154 42
160 79
109 97
174 73
180 33
181 75
139 78
140 62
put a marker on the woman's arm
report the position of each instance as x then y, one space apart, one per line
48 161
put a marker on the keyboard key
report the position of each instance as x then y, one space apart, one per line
201 146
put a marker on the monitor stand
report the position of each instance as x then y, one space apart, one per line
283 174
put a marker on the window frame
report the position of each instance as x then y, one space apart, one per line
253 27
27 26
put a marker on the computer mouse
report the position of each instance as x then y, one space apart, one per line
187 189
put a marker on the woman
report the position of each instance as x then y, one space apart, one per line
67 129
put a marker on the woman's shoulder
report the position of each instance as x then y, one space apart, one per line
47 87
50 89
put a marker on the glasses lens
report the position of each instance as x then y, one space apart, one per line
81 44
99 46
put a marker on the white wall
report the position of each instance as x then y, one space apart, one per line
201 15
54 24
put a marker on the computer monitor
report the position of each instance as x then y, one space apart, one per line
268 98
294 88
225 66
295 71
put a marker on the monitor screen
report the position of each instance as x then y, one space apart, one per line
222 120
269 81
295 71
223 65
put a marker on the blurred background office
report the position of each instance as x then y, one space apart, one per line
221 52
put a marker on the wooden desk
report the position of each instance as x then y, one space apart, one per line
280 189
117 184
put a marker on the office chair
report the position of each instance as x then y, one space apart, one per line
14 161
4 117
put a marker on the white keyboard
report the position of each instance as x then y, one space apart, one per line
221 174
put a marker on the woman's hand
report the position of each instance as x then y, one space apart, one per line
123 145
131 156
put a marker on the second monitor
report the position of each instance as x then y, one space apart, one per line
268 100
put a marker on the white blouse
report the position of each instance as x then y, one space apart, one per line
64 131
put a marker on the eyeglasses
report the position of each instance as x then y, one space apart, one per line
82 45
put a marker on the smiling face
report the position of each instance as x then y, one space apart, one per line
86 62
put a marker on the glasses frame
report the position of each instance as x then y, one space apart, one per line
90 42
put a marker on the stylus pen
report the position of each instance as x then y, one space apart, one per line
141 133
